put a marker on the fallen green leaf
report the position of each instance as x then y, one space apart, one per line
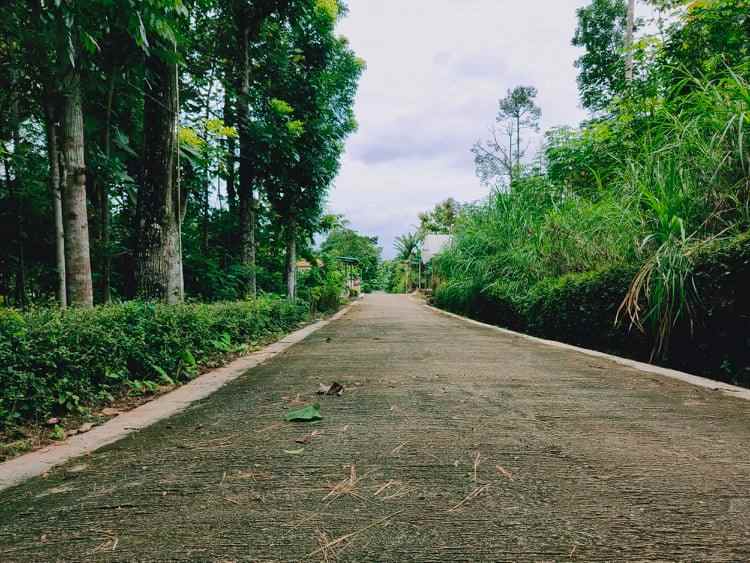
308 414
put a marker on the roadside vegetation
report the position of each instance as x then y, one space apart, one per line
167 149
630 232
164 169
64 366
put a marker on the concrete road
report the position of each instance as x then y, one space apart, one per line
451 442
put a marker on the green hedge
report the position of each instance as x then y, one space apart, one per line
54 362
581 309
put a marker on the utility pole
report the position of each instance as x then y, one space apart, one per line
629 70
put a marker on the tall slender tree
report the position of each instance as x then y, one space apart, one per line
629 64
55 188
317 73
517 112
248 20
159 258
75 212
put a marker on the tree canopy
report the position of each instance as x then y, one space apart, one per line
162 147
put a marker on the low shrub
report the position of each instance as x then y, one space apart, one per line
582 309
54 362
716 341
324 288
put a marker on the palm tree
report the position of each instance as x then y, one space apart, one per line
407 246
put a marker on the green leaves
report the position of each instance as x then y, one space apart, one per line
89 43
281 107
56 361
329 8
223 343
296 128
310 413
163 377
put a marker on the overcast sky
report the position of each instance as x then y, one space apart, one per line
435 71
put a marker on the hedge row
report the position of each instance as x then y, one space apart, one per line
580 309
54 362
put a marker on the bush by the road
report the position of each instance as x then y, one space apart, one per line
54 362
582 309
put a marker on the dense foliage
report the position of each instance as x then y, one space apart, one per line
614 234
162 148
57 362
346 243
157 150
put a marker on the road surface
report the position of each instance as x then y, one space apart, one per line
451 442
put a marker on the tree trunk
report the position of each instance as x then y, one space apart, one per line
245 188
205 215
629 66
518 143
206 211
230 122
510 153
158 252
206 192
53 157
76 224
15 188
180 199
291 261
103 193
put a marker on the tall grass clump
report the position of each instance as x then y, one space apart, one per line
691 187
628 208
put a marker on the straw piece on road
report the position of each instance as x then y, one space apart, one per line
402 492
386 486
477 457
473 494
397 449
323 541
343 538
346 487
505 472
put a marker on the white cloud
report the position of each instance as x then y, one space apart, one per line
435 70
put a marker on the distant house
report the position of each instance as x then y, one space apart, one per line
434 245
305 266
